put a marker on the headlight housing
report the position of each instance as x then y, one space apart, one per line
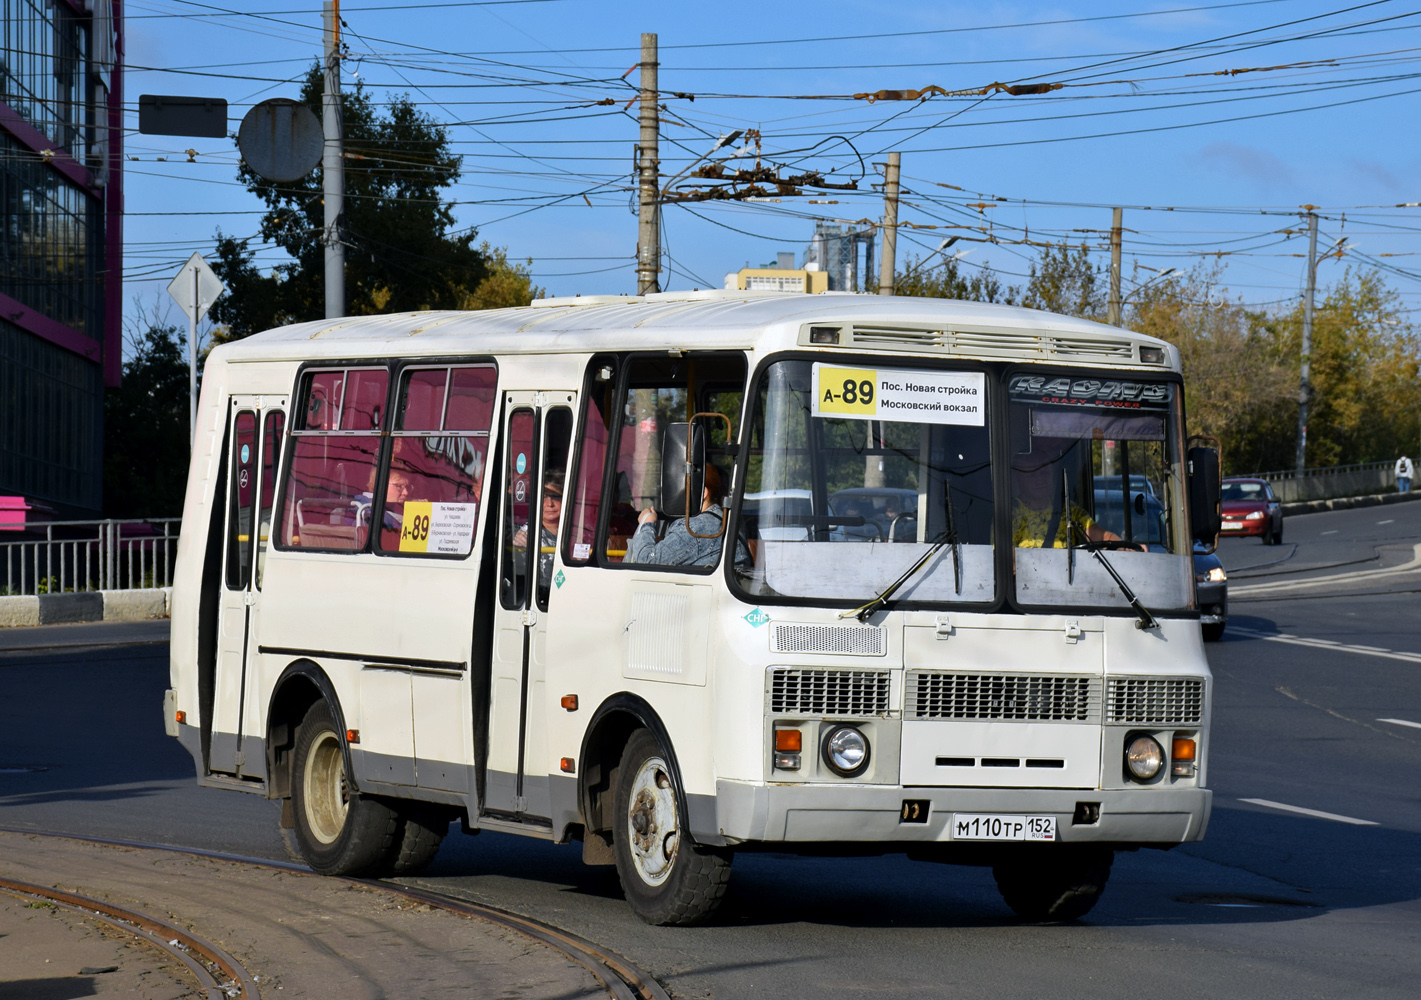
1254 515
846 751
1144 757
1217 575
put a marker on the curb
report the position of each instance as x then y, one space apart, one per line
86 606
1347 503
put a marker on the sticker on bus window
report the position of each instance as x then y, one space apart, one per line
441 528
926 397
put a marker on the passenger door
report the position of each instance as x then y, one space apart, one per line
257 426
537 433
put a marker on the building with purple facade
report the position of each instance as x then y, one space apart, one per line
61 246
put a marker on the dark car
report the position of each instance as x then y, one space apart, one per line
1251 508
1211 587
1146 517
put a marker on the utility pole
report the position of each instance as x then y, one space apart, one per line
1112 315
648 163
890 224
333 167
1304 381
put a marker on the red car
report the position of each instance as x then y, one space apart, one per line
1251 508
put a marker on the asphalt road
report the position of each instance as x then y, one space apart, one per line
1276 902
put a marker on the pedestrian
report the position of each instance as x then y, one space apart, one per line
1404 472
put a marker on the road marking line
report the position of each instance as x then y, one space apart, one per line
1390 520
1333 532
1402 722
1293 640
1317 813
1285 586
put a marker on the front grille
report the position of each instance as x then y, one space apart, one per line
862 640
828 692
1007 697
1154 701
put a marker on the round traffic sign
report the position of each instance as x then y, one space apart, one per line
281 139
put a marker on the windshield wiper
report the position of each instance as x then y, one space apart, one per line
1147 620
948 537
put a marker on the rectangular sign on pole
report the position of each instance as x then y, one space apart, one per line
200 117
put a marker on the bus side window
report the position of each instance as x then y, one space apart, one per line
662 389
584 498
328 486
270 457
434 483
243 490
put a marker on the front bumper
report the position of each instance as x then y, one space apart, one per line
1241 527
1213 601
846 813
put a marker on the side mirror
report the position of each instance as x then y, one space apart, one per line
682 481
1204 496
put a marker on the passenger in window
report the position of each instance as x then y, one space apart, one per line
547 528
396 493
680 547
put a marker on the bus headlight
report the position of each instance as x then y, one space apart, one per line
846 751
1144 757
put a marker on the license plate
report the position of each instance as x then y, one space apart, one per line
1232 525
991 826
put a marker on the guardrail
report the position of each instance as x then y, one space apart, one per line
1332 481
74 556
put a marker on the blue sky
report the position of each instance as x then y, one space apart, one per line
1207 161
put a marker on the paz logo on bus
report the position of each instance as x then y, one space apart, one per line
560 579
757 617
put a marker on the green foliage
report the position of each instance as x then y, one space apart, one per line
401 252
947 281
1064 280
146 428
1241 370
507 284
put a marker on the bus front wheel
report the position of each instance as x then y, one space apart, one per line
1054 883
338 831
666 877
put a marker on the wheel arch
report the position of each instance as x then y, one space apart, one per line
301 685
606 737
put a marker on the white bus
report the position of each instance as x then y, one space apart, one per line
690 574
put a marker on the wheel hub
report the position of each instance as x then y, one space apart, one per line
654 833
327 793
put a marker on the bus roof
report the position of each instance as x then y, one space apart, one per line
707 320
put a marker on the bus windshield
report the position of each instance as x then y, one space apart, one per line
1095 463
841 458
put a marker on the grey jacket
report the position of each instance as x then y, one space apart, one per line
678 547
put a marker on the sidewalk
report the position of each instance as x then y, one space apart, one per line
300 935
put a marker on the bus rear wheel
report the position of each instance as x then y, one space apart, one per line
1054 883
338 830
666 877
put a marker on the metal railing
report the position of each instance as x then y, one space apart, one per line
1332 481
66 556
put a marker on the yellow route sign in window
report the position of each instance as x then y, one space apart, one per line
847 391
414 527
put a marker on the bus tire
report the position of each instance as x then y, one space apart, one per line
338 831
1061 883
666 877
422 830
1213 631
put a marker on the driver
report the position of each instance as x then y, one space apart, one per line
1037 508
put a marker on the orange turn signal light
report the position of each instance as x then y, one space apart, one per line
568 765
569 702
352 735
1182 749
181 717
789 740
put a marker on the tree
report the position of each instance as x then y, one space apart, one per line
946 281
506 285
402 252
1237 380
1064 280
146 426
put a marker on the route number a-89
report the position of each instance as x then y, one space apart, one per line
849 391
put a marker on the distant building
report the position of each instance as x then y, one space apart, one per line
785 278
61 245
844 254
